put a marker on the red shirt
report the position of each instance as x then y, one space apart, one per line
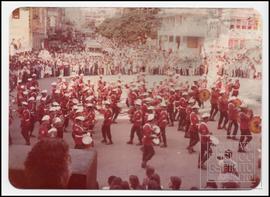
147 132
137 118
204 131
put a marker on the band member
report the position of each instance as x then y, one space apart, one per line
148 149
223 109
26 122
235 88
214 103
163 120
32 109
44 127
205 141
170 107
78 132
232 116
182 110
193 129
106 126
114 106
137 120
245 117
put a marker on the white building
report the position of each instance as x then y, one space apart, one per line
183 31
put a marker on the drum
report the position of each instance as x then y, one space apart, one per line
204 95
156 130
255 124
156 141
87 140
214 140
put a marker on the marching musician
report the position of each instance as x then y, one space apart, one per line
232 116
214 102
193 128
78 132
235 88
44 127
137 121
106 126
245 117
162 121
25 122
205 141
223 110
182 110
148 149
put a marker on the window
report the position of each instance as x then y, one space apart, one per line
232 26
242 44
238 23
16 13
249 23
192 42
177 40
170 38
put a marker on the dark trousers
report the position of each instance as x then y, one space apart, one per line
181 119
205 153
137 129
26 134
171 117
148 152
60 132
235 124
245 138
163 135
214 110
106 132
223 116
187 134
194 139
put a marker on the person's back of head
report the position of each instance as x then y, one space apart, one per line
110 180
156 178
47 165
175 182
149 171
125 185
117 181
134 181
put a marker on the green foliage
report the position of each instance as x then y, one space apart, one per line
130 27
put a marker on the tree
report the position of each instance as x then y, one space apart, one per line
131 27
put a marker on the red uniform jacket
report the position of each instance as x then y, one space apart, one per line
26 119
222 104
163 119
204 131
214 97
244 121
77 134
147 132
232 112
43 130
137 118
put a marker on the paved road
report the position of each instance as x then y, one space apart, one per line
123 160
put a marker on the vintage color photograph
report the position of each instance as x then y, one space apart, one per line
135 98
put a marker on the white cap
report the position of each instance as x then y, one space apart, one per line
222 91
20 81
57 91
32 88
57 108
31 98
22 86
52 109
75 100
89 105
107 103
55 103
191 100
185 94
138 102
89 98
79 109
25 92
29 79
56 120
151 107
52 131
150 117
44 91
205 115
46 117
53 83
24 103
196 106
163 104
80 118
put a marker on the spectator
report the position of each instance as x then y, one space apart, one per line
125 185
149 172
109 181
211 185
47 165
116 183
153 185
175 182
134 182
156 178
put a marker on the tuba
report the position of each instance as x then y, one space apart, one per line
255 124
204 95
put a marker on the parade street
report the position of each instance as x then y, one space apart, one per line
121 159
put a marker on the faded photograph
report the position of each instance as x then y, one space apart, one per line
135 98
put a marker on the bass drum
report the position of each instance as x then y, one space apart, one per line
255 124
